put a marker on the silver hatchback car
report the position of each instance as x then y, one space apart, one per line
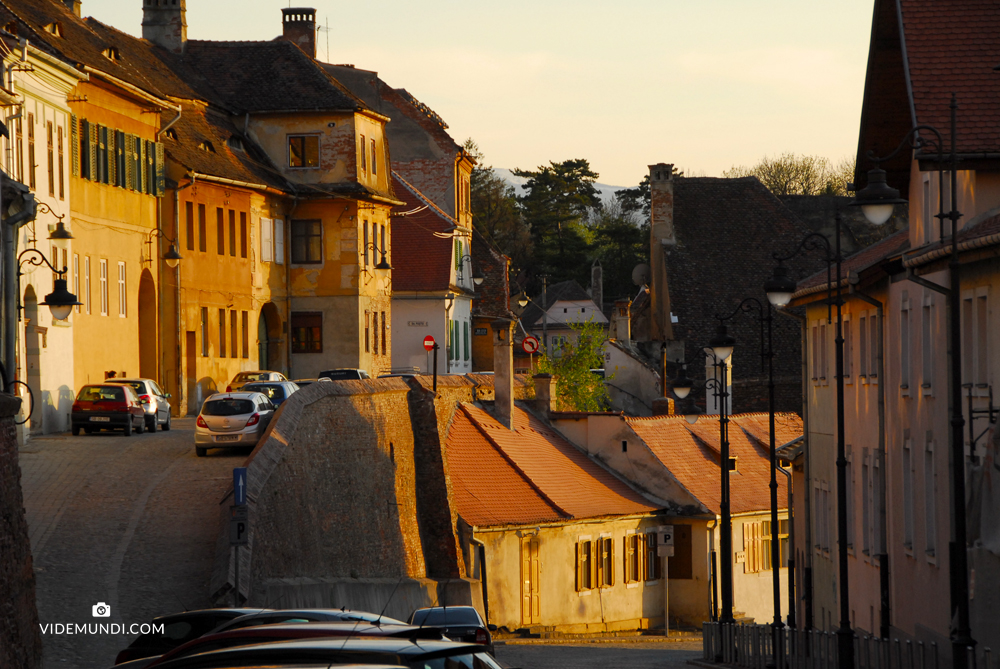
232 420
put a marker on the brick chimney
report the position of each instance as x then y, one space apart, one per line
299 27
73 5
503 371
621 320
661 240
164 23
545 393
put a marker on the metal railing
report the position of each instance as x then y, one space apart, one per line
752 646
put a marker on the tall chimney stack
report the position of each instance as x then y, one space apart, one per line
621 320
503 371
299 27
164 23
661 240
545 394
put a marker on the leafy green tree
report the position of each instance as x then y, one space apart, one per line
577 388
496 213
791 174
621 242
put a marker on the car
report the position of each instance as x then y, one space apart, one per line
231 420
244 378
306 615
246 636
344 374
153 400
107 406
460 623
178 629
335 651
276 391
302 383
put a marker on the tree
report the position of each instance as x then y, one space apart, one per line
621 242
577 388
496 213
557 201
789 174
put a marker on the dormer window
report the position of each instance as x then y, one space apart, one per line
171 134
112 54
236 144
207 146
11 28
54 29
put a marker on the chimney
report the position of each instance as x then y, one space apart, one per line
545 393
503 372
621 320
73 5
299 27
164 23
663 406
661 240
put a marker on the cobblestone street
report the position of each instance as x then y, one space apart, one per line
127 521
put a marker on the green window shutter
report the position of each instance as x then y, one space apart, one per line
143 144
465 340
74 147
128 151
94 141
161 171
111 147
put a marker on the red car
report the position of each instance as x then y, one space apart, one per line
101 406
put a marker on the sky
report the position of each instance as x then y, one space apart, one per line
702 84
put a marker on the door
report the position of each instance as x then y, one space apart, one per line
191 372
529 582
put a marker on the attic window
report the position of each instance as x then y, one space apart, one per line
733 462
112 54
11 28
236 144
54 29
207 146
171 134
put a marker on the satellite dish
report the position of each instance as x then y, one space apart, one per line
640 275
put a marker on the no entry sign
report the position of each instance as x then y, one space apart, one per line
530 344
428 343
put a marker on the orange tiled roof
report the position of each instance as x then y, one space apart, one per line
544 477
692 454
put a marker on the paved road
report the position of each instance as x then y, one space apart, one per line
640 655
127 521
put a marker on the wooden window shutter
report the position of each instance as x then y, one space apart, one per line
614 562
129 181
161 176
94 141
628 551
111 147
594 559
579 565
74 145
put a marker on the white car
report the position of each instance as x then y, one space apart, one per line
232 420
244 378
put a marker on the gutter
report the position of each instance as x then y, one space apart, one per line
233 182
971 245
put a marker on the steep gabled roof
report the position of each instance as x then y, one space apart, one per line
892 246
423 260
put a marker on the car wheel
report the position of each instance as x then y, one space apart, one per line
128 428
166 426
199 451
151 423
141 427
76 430
88 430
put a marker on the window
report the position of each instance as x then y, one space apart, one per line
679 566
367 331
927 343
586 567
202 229
968 337
930 497
865 504
189 218
385 339
374 160
18 133
222 333
76 278
232 233
122 296
86 283
364 228
851 508
364 154
982 350
243 234
303 151
653 570
220 230
31 151
874 347
907 494
465 340
266 240
204 332
863 346
307 332
382 246
374 242
233 334
904 343
926 209
848 349
375 332
307 241
634 547
245 322
50 155
606 562
104 287
822 351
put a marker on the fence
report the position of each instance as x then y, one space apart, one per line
752 647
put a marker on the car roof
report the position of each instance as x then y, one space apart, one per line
235 395
197 613
444 608
121 380
322 611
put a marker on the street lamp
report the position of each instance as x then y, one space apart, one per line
383 267
780 288
477 275
171 257
877 194
522 300
60 301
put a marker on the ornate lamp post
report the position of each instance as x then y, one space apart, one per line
877 200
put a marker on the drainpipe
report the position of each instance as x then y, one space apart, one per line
883 555
791 558
482 573
807 585
181 390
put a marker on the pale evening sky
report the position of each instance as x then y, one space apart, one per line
704 84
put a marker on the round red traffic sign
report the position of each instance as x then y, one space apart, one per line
428 343
530 344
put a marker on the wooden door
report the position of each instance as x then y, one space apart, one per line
529 582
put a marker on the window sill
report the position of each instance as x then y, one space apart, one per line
632 585
584 593
926 390
907 550
653 582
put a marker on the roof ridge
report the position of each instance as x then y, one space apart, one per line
527 479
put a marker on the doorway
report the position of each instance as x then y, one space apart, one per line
33 334
147 326
529 582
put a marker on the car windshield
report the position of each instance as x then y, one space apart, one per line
252 376
137 385
101 393
463 661
230 407
273 391
439 617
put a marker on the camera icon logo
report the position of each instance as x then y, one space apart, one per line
101 610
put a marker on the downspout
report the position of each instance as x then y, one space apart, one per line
791 558
159 245
883 555
482 573
181 390
807 585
